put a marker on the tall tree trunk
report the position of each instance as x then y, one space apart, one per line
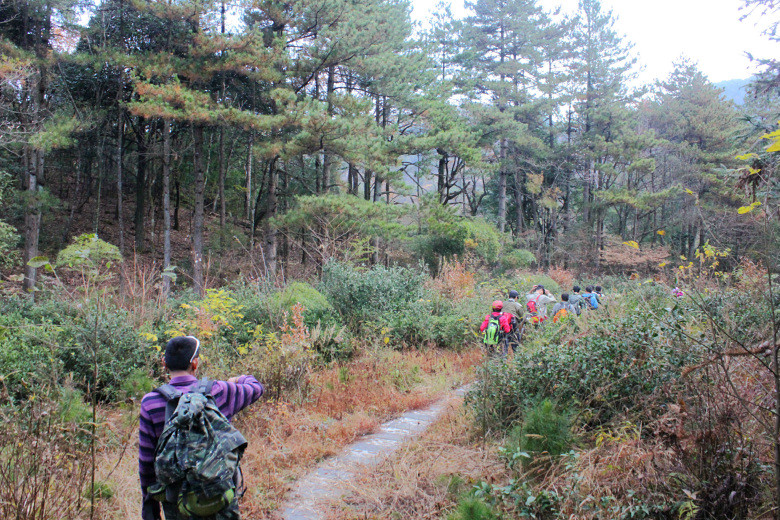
567 202
502 186
32 217
271 237
284 249
327 162
352 181
166 187
248 180
441 176
586 213
317 173
120 141
221 187
367 183
120 138
101 161
518 191
197 217
177 203
222 158
599 237
33 181
140 190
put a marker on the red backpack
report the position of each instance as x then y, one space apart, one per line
533 310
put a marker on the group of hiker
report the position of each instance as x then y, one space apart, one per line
504 327
189 453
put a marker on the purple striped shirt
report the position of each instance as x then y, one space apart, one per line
230 398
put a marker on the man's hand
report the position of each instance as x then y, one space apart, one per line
233 379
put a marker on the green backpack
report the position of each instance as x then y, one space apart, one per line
198 454
492 334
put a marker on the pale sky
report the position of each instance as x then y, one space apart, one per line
707 31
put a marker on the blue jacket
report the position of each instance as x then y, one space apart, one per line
593 299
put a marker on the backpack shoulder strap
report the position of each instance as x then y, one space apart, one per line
204 387
171 395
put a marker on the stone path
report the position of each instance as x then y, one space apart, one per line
331 479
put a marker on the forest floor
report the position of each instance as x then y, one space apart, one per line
289 437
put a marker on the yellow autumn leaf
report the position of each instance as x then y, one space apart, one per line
747 209
772 135
688 191
661 232
774 147
387 340
663 264
632 243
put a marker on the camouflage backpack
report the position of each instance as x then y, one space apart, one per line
197 456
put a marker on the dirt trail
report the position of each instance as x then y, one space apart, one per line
335 476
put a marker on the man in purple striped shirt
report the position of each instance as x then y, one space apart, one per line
181 361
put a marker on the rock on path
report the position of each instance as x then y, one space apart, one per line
332 478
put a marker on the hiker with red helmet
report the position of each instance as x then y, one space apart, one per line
496 325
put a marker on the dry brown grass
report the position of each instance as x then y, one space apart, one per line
287 439
563 277
631 471
454 282
421 480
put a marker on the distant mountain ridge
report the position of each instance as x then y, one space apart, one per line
734 89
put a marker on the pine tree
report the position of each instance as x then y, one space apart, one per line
602 68
698 130
503 38
32 124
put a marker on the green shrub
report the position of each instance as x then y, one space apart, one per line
331 342
137 384
364 297
445 234
318 308
544 429
612 369
442 234
517 259
53 342
119 352
103 491
72 407
9 242
452 330
30 343
482 238
473 509
90 253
